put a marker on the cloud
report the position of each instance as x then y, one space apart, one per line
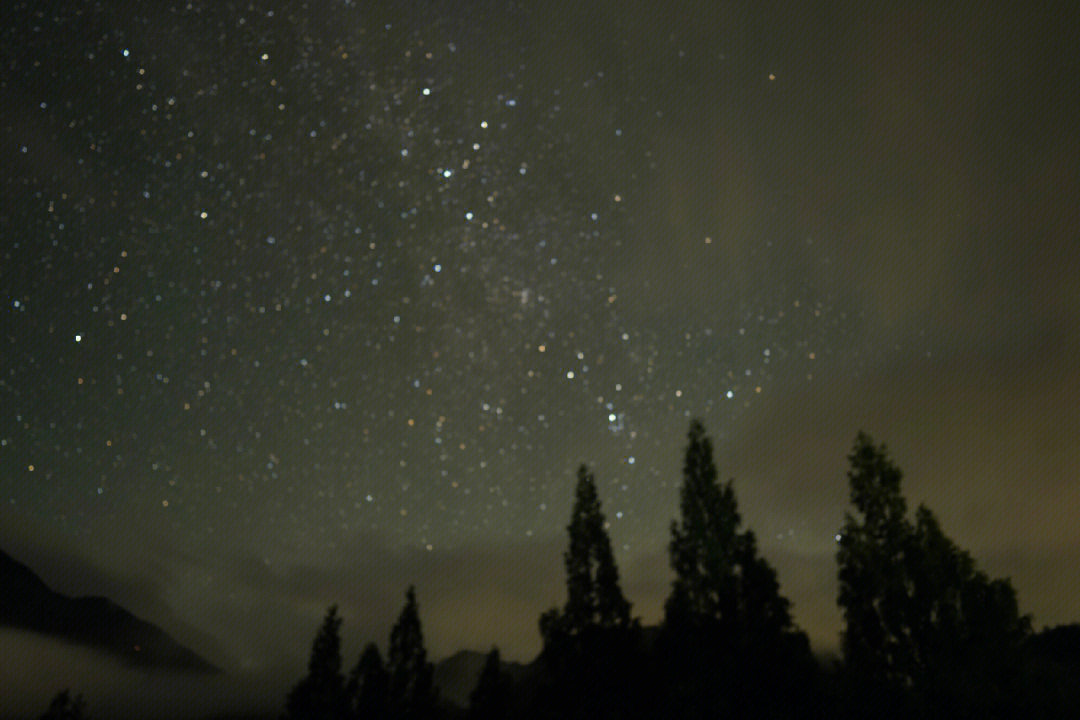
141 577
46 666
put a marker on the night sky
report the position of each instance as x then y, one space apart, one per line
304 302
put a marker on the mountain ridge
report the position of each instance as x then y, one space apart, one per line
456 675
28 603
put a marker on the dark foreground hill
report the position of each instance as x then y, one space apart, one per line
27 603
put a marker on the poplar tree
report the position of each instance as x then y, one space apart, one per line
368 686
591 662
490 699
321 694
728 644
411 693
720 579
65 707
594 599
925 630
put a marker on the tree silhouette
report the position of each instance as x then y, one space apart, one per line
728 643
704 544
321 694
490 699
872 593
593 597
411 693
925 632
1052 680
65 707
368 686
591 646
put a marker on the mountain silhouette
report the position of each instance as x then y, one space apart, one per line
456 676
27 603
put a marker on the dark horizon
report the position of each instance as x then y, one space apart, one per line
134 685
304 304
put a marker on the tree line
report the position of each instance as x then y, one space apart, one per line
926 634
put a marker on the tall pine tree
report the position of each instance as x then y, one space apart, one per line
593 597
728 644
592 648
490 699
411 693
719 577
924 629
368 686
321 694
65 707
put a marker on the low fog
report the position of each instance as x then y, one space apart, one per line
41 667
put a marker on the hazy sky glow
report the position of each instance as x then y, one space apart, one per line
305 302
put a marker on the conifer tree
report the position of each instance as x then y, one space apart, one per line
411 693
593 597
490 699
924 630
719 577
65 707
321 694
728 644
368 686
704 544
592 649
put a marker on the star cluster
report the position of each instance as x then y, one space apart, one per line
281 279
342 271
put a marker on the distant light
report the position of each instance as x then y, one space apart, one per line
569 374
78 338
427 91
730 394
126 52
